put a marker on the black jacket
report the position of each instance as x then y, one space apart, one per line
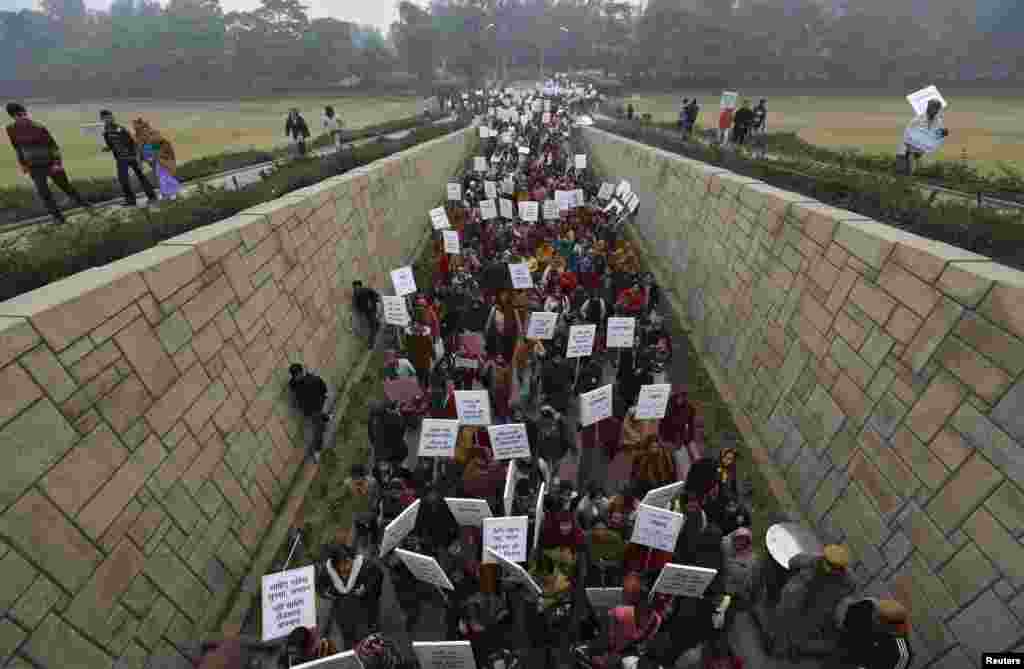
295 127
120 142
310 392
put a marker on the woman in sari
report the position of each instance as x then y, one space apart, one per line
158 152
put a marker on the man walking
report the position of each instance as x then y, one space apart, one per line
742 123
39 157
121 143
295 128
692 112
761 116
365 303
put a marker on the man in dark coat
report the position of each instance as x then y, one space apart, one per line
354 584
121 143
295 128
386 430
309 393
365 304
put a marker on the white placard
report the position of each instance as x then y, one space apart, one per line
564 199
545 118
621 332
488 210
683 580
479 164
538 515
289 601
529 210
399 528
581 341
550 210
439 218
404 281
518 574
511 476
652 402
524 150
437 438
505 536
521 277
656 528
728 100
663 496
507 211
455 192
596 405
581 161
425 568
491 190
606 191
444 654
485 132
919 99
509 441
395 312
473 407
541 325
470 512
508 185
632 202
346 660
623 189
451 242
466 363
604 598
579 198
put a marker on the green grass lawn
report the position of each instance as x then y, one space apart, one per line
198 128
988 127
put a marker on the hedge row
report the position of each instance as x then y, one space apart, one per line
18 203
884 197
57 252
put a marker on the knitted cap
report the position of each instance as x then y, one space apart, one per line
891 611
837 556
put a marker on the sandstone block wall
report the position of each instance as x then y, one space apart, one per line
146 438
876 373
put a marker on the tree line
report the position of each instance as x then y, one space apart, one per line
190 47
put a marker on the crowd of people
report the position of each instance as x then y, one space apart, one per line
468 331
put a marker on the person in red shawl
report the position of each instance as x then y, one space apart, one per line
676 429
631 301
568 282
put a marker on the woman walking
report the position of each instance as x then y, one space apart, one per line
158 152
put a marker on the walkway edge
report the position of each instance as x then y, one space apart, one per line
759 453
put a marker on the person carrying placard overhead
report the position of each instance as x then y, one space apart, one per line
930 121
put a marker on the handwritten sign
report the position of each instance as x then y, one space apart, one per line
479 164
346 660
488 211
511 476
683 580
451 242
550 210
653 401
606 191
485 132
919 99
623 189
444 654
505 536
509 441
454 191
541 325
439 218
506 208
632 202
289 601
517 573
508 186
656 528
581 341
473 407
469 512
564 199
438 437
621 332
425 568
596 405
579 198
604 598
403 280
395 312
521 277
581 161
529 210
399 528
491 190
663 496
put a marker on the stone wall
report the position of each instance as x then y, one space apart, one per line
147 440
876 375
